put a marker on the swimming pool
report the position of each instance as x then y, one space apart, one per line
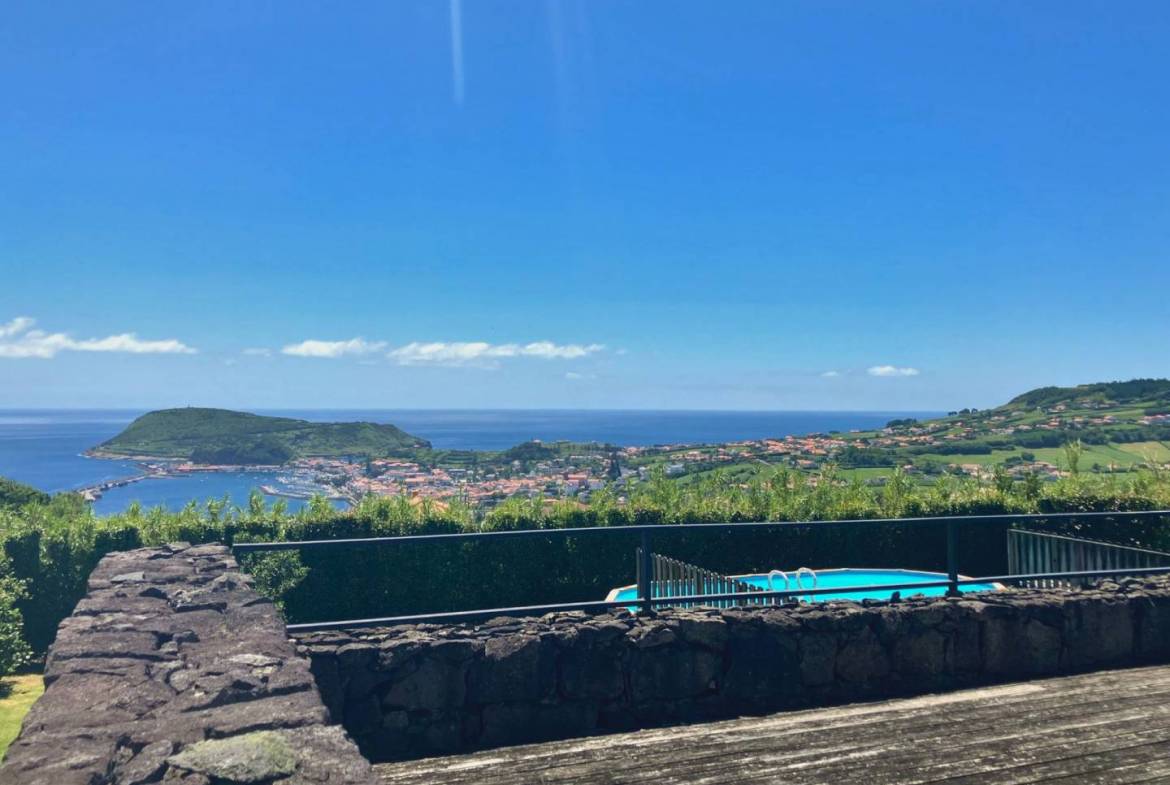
845 579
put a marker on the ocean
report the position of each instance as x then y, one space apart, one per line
43 447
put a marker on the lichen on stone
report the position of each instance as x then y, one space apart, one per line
261 756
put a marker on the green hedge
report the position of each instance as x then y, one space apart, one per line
52 546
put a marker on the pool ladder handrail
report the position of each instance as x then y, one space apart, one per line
788 581
772 587
801 571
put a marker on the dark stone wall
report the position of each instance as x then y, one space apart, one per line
416 690
173 670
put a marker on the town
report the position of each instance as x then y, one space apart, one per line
1030 438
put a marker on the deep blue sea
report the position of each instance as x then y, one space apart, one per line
43 447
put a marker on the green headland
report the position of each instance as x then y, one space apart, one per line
220 436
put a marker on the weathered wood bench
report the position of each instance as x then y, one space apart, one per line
1107 727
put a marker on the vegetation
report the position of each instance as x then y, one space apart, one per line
1116 426
1101 392
227 437
14 650
17 694
14 494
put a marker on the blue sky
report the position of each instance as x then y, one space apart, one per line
596 204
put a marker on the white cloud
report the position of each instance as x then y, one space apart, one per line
830 374
129 342
891 370
18 340
483 354
258 351
549 350
16 326
574 376
313 348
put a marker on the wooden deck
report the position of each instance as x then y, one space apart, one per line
1108 727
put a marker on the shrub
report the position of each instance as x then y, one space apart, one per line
14 651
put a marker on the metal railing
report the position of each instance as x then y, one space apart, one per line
646 601
671 578
1040 552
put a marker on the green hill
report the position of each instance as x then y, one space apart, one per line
1115 426
226 437
1101 393
14 494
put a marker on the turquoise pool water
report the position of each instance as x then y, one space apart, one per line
846 580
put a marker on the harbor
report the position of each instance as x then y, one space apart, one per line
178 483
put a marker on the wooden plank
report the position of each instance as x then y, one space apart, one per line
860 723
605 747
890 761
1021 758
1107 727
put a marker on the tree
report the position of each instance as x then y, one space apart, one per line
614 472
1002 480
1073 450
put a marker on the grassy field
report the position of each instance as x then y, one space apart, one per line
19 694
1122 456
1157 451
866 472
991 459
1104 454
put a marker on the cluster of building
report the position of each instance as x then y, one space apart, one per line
572 477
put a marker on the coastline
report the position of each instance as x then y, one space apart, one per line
155 467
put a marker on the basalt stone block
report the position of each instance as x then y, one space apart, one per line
921 654
1152 624
262 756
680 673
363 715
107 645
708 631
57 760
323 666
429 681
818 658
115 697
272 712
513 668
1098 630
1019 647
862 661
652 636
518 723
762 666
964 636
148 765
675 712
355 656
591 670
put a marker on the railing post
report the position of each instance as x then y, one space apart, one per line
953 558
645 590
